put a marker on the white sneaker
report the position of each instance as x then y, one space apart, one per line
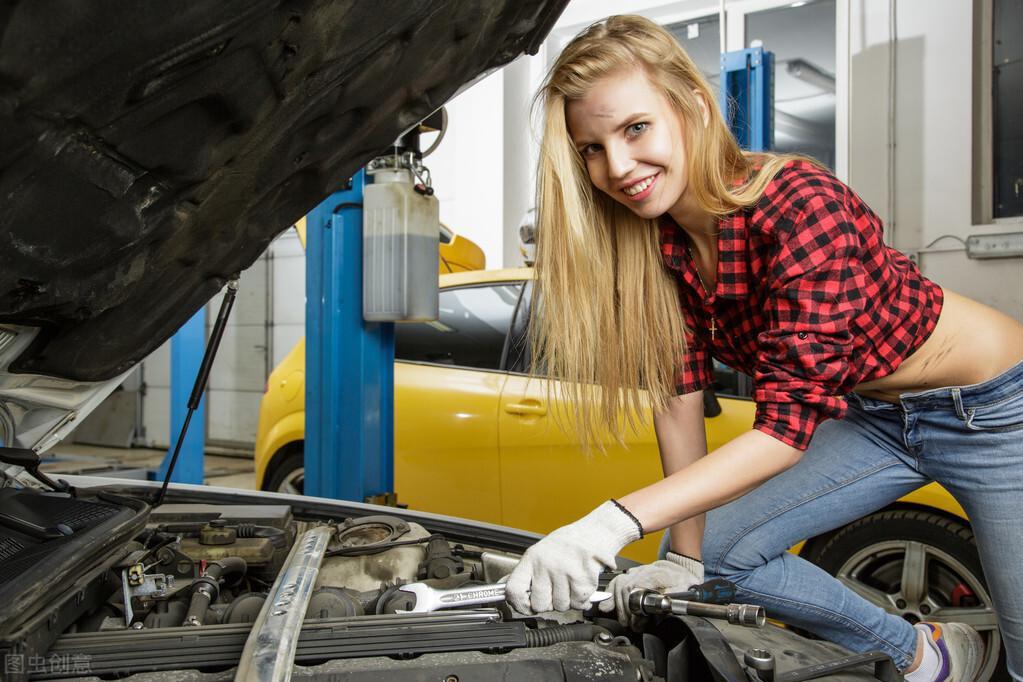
959 647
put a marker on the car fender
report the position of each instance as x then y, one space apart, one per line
288 429
933 496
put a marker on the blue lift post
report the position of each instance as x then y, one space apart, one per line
349 400
187 347
747 97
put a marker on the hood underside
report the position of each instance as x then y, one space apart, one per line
150 151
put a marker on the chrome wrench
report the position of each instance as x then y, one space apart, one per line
432 599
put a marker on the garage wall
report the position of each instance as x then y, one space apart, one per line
934 187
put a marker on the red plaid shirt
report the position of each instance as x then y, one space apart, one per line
809 301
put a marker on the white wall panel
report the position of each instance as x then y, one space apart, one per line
232 416
156 367
241 361
156 417
288 324
289 289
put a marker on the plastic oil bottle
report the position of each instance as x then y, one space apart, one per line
401 229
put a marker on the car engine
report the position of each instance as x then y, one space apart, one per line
97 584
192 583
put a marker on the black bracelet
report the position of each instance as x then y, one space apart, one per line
629 514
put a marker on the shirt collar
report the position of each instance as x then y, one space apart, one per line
733 258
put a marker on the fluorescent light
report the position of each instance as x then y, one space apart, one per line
810 73
798 4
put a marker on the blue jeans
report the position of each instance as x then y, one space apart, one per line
968 438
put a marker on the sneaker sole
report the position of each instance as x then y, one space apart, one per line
975 653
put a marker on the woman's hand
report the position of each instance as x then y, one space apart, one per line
560 571
674 573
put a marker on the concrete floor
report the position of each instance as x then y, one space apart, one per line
228 470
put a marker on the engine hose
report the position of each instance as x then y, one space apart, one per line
572 632
206 588
275 535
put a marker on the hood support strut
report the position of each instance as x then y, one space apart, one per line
201 379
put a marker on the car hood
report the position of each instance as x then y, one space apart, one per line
151 151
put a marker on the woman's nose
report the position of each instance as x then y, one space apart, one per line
619 162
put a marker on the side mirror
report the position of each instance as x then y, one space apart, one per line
711 405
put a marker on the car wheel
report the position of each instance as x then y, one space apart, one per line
917 565
289 475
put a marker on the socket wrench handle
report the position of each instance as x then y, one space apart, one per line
649 603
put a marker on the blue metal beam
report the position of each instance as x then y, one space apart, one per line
349 431
187 346
747 97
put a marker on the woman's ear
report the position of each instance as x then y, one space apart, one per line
701 101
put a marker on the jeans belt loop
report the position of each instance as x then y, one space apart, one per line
957 399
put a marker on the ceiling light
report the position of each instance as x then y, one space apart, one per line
808 73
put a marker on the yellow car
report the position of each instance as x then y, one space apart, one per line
474 437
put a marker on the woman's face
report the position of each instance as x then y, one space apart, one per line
631 140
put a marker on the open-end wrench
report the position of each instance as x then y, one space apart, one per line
432 599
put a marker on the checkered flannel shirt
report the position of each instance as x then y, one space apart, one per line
809 301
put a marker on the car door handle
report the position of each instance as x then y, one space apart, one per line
531 408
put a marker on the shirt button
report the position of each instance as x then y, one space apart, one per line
801 335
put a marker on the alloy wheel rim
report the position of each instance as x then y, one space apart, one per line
912 580
293 483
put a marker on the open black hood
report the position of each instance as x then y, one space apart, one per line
150 150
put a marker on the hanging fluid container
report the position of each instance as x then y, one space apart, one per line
401 231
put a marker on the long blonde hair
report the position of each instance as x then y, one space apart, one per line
606 321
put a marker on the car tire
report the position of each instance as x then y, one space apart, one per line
288 474
869 556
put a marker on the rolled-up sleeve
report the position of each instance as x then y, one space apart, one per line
815 288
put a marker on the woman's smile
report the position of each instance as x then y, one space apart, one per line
638 191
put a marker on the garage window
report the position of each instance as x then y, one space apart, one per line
1007 107
470 331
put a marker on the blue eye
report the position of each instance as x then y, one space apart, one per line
637 128
590 149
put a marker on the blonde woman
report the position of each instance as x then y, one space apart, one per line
661 246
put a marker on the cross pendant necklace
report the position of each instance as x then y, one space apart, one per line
713 319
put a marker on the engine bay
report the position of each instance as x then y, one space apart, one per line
96 584
188 587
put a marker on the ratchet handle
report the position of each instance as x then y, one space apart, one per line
714 591
650 603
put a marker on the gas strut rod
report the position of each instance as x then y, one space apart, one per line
202 378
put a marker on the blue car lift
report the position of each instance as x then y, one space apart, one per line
349 399
747 97
187 347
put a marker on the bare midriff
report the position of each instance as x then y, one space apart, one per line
970 344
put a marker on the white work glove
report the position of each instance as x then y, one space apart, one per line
560 571
674 573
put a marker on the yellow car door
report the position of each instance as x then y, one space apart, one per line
447 386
